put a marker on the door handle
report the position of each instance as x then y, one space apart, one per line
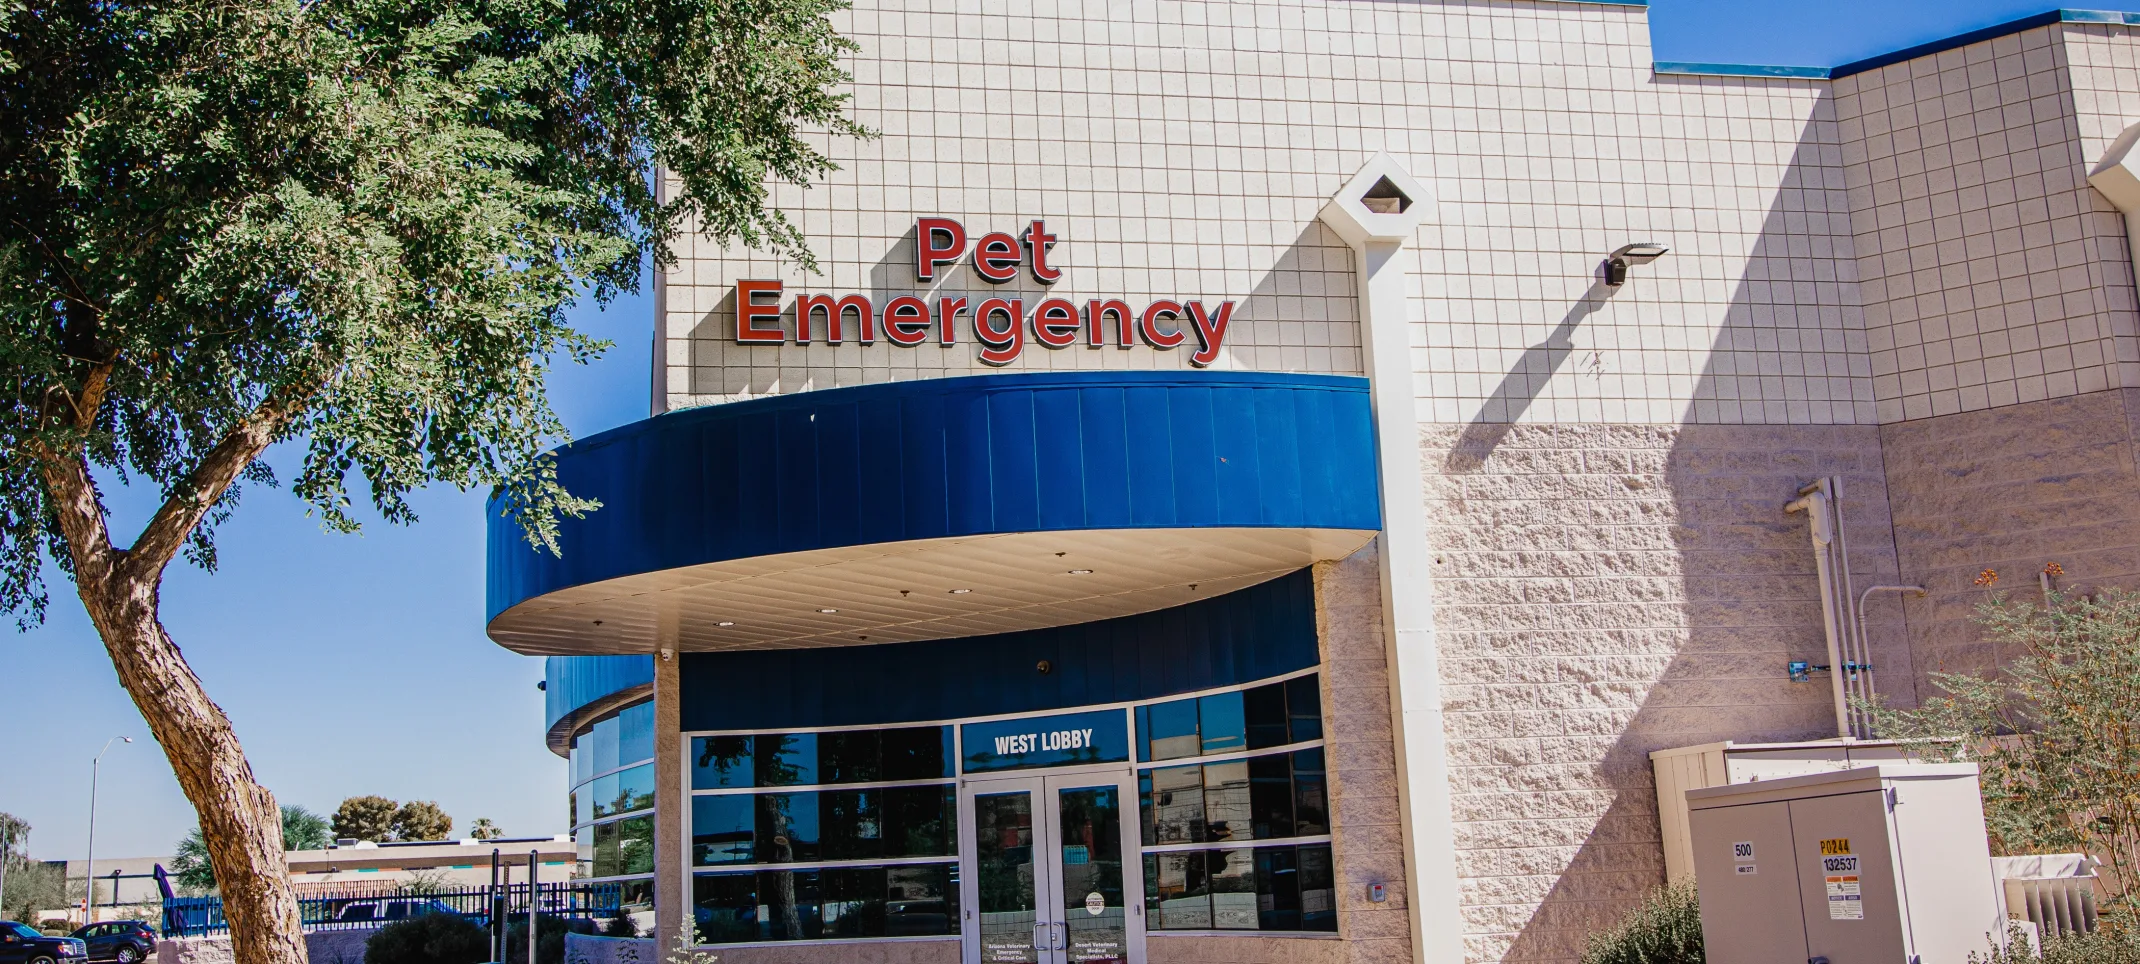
1042 936
1062 936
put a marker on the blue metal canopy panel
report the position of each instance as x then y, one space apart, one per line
1250 634
953 457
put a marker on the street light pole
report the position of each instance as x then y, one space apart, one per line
89 870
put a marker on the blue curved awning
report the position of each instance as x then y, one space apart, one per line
783 480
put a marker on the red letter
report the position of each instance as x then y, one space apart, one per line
947 311
835 311
1095 328
1210 329
1037 243
1055 323
936 241
995 257
1148 326
749 312
906 321
1002 344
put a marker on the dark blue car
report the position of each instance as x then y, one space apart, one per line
124 941
22 944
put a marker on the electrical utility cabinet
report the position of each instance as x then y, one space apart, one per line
1885 864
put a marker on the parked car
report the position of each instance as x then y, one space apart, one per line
22 944
393 909
125 941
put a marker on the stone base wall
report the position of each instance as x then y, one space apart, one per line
2011 490
858 952
321 947
1603 591
1366 827
1183 949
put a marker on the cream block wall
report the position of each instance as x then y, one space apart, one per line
1182 148
1992 273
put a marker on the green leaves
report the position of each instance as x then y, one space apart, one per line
360 223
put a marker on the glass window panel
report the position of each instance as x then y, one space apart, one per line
919 821
1227 815
606 858
1270 795
724 907
1277 890
853 826
1311 795
1304 708
1003 872
789 905
787 759
604 792
582 803
917 753
635 734
635 845
1172 733
721 762
1093 905
787 827
921 901
1141 718
583 841
582 761
852 901
1318 889
849 757
1177 893
724 829
635 896
1222 723
604 737
1173 805
1263 708
1234 903
635 789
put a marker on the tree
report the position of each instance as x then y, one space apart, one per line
31 886
2056 730
483 829
421 820
14 836
301 830
365 818
353 226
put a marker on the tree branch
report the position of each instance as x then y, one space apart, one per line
167 530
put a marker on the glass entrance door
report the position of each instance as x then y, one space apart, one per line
1053 881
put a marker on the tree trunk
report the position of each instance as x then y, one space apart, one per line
240 821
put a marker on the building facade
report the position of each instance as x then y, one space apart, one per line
1214 505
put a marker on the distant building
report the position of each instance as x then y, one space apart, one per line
455 863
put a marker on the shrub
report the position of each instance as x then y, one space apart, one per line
1666 928
549 938
621 925
2111 945
428 939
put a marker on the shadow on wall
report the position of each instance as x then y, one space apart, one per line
1606 590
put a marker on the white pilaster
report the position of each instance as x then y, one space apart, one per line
1378 235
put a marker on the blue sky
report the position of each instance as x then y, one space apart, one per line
357 664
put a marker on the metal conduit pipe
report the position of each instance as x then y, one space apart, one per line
1865 642
1815 501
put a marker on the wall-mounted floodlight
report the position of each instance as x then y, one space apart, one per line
1641 252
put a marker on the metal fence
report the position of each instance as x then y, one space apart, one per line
195 916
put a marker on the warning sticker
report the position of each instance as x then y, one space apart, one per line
1845 898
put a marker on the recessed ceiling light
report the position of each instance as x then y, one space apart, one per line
1081 572
960 592
724 624
828 612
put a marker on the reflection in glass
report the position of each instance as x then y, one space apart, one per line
635 845
721 762
635 734
1280 888
1093 906
917 753
606 858
1167 731
832 903
1263 708
724 830
787 827
635 789
1177 894
849 757
1003 876
1233 889
1173 805
1304 708
1226 811
604 793
604 737
1311 796
1221 723
786 759
1270 796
